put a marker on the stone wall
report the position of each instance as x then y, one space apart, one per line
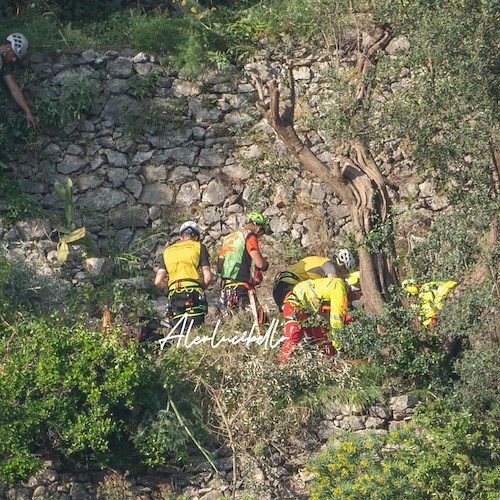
193 149
281 475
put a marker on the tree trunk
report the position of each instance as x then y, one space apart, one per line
356 180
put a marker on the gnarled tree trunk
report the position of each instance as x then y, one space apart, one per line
356 180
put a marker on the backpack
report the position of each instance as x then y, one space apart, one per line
231 254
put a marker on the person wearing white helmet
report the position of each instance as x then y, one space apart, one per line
344 258
13 48
312 267
185 273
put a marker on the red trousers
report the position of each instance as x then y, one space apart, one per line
294 333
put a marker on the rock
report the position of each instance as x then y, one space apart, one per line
115 158
96 266
402 406
188 194
375 423
215 193
211 158
326 429
379 411
102 199
122 67
33 229
131 216
71 164
78 492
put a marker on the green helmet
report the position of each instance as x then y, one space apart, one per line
259 219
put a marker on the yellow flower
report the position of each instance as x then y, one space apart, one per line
193 10
349 447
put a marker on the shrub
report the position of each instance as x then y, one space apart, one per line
409 353
478 387
442 454
251 400
80 394
452 245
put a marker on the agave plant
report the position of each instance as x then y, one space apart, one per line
68 233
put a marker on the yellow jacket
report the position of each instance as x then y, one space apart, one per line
430 297
311 295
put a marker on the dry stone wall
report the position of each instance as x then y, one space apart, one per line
188 151
284 476
191 149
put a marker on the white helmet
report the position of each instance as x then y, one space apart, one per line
191 227
19 44
343 256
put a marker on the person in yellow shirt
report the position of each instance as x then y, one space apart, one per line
308 298
312 267
179 274
430 298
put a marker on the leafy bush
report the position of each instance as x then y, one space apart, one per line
81 394
478 387
452 245
409 353
442 453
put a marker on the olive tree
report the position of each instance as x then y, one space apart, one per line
436 97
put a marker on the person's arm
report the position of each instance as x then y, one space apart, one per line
161 279
206 272
18 96
259 260
207 276
252 246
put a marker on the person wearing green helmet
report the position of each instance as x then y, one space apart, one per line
13 48
240 263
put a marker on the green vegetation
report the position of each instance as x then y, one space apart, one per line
92 397
18 205
444 452
68 233
89 394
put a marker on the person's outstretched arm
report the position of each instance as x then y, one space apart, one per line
18 96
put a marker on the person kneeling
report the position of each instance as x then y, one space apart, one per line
309 298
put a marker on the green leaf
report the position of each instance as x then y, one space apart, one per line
60 190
